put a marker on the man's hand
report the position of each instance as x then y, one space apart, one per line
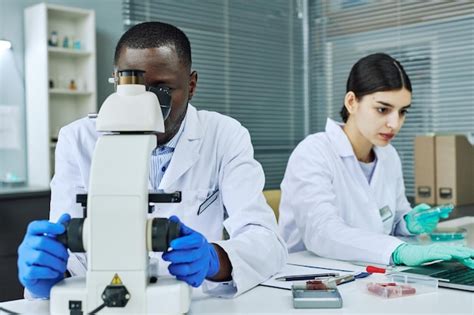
192 258
42 260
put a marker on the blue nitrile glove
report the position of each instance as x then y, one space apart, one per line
415 255
419 222
42 259
192 258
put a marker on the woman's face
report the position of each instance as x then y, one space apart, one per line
379 116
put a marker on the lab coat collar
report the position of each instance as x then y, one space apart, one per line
338 138
187 149
341 142
193 130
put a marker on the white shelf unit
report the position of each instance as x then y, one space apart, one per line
50 107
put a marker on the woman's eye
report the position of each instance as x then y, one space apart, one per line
381 110
404 112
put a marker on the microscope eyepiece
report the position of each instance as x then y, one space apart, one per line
131 76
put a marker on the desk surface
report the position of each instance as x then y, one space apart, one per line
277 301
23 192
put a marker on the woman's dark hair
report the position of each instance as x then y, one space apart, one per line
375 73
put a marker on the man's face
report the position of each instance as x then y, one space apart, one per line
163 67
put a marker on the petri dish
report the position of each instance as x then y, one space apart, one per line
448 234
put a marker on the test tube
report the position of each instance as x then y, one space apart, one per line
438 210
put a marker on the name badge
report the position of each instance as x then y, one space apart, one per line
385 213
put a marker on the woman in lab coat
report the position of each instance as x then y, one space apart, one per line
343 194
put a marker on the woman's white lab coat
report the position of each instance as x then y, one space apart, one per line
214 167
329 207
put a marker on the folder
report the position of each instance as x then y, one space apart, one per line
425 169
454 170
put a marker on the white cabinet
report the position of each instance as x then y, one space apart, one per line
60 77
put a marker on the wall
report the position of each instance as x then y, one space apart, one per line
17 210
109 27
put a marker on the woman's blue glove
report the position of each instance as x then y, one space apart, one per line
415 255
42 260
421 221
192 258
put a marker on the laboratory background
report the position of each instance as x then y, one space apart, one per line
279 67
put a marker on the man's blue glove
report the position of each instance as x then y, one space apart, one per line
192 258
421 221
42 260
415 255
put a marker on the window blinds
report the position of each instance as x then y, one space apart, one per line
249 61
434 41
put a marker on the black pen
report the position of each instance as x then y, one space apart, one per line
306 277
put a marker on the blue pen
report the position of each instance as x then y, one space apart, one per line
362 275
307 277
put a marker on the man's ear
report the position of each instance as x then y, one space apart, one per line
350 102
193 77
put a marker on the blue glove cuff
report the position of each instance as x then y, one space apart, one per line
396 254
214 264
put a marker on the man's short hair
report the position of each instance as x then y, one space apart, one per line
154 35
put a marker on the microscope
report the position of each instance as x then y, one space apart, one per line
115 231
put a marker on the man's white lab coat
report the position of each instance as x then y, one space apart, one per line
214 168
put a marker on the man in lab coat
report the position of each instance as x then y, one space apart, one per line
207 156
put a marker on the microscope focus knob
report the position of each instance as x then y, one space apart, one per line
161 231
72 237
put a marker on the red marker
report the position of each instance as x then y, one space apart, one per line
373 269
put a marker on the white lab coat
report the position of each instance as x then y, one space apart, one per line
328 206
213 165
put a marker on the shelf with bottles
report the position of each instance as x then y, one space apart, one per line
68 77
60 51
58 91
60 56
68 31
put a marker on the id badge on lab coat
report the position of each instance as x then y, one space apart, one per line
385 213
387 219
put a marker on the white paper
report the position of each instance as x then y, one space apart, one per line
291 270
10 127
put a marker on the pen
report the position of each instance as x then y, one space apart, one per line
306 277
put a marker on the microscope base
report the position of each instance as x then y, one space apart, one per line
167 296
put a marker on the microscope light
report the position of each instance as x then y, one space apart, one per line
5 44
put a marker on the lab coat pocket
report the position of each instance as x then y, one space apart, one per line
211 197
204 215
199 203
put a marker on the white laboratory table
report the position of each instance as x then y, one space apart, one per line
265 300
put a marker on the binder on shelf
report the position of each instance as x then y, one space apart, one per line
454 170
425 169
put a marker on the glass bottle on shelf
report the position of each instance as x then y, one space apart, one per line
72 85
